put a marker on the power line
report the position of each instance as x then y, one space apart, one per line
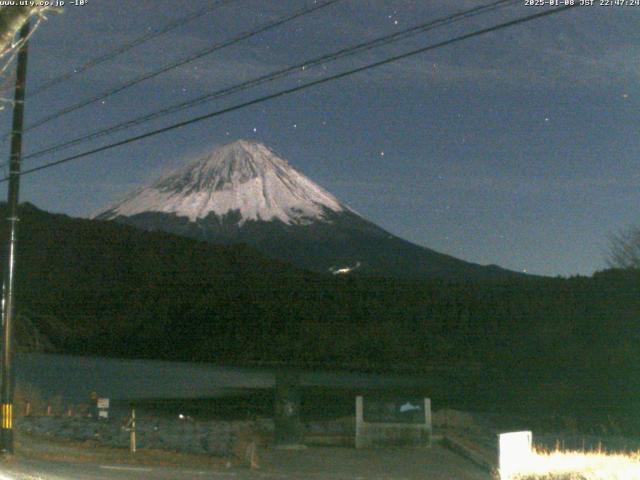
298 88
128 46
209 50
349 51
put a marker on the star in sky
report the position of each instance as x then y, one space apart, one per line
469 111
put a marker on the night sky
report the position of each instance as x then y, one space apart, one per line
517 148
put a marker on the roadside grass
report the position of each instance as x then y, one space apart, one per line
577 465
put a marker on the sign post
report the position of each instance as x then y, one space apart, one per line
393 421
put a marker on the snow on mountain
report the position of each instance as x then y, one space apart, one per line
244 193
243 176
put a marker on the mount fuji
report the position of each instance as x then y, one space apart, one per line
244 193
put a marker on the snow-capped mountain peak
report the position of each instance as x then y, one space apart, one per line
243 176
244 193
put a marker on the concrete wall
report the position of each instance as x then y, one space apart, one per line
370 434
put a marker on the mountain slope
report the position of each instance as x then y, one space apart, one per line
244 193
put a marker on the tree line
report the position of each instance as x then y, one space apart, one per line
98 288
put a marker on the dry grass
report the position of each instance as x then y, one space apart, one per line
574 465
245 449
454 419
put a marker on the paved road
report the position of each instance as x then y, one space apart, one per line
435 463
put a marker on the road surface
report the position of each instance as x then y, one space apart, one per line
435 463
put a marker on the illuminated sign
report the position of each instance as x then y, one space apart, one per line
396 410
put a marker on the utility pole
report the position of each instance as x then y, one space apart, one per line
8 306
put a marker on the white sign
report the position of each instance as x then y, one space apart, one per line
103 403
515 452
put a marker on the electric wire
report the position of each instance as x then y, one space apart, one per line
330 57
128 46
209 50
299 88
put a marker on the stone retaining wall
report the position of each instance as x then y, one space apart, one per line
216 438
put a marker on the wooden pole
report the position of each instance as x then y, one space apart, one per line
8 306
133 431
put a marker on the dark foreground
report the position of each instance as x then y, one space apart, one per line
47 460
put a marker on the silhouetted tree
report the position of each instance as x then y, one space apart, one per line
624 250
